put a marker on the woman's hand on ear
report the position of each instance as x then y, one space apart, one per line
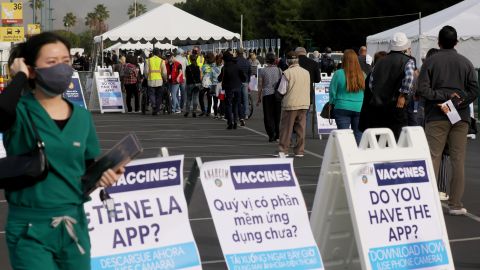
19 65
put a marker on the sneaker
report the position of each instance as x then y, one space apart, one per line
242 122
457 211
177 112
299 155
443 196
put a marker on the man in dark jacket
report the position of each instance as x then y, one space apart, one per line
232 77
391 82
246 68
445 76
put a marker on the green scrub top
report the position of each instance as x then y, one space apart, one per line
66 152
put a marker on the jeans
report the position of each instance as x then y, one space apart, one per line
132 91
192 97
174 94
155 95
232 98
205 92
272 110
183 95
346 119
244 101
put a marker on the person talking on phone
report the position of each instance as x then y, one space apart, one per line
46 226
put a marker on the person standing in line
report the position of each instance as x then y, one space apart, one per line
295 103
391 82
312 67
246 68
174 72
231 77
362 59
346 93
207 82
218 110
130 80
180 57
448 75
46 226
156 73
327 64
268 80
194 79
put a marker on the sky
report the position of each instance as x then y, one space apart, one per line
80 8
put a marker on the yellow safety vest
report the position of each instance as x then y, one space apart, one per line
200 60
155 68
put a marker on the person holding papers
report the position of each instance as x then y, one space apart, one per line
448 77
47 227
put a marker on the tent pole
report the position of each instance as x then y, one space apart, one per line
241 31
420 35
101 50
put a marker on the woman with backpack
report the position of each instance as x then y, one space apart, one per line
194 83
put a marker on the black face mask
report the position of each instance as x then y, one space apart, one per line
54 80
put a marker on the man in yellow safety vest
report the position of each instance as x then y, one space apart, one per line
156 72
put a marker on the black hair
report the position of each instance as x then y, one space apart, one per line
156 51
31 48
270 58
447 37
431 52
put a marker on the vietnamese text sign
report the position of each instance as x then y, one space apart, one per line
396 209
11 34
12 13
149 228
259 214
109 92
74 92
325 126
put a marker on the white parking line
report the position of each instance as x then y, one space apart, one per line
464 239
159 131
157 125
182 137
266 136
198 146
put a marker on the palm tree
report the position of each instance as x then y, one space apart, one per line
141 8
96 20
38 6
69 20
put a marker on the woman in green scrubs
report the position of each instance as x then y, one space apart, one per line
46 227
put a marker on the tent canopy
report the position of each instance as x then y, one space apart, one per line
167 24
139 46
464 17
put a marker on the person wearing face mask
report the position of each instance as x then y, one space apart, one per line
47 226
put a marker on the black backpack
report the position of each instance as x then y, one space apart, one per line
327 64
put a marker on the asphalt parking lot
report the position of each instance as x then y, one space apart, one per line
208 138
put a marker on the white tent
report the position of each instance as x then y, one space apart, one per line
464 17
167 24
139 46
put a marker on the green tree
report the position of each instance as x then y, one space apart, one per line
69 20
38 6
132 13
96 20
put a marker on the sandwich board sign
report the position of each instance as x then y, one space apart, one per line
259 214
149 226
377 205
324 126
74 92
107 92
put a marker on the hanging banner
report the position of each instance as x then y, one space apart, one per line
278 44
267 44
109 91
273 43
33 29
260 214
149 226
74 92
324 126
12 13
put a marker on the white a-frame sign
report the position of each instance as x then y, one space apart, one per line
377 205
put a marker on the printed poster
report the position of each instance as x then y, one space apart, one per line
260 214
109 92
325 126
74 93
149 227
398 216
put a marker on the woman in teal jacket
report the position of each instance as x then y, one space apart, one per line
47 227
346 93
